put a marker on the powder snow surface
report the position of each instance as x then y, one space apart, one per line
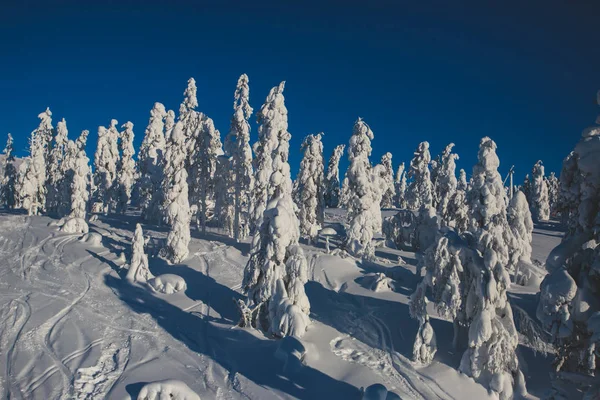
72 327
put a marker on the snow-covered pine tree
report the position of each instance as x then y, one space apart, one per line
103 172
332 178
527 190
207 148
190 119
169 124
20 185
126 168
360 193
387 179
225 190
462 183
148 190
176 204
54 169
46 132
540 203
9 181
75 185
139 270
400 187
33 189
241 158
446 184
113 143
275 275
272 119
521 225
458 210
553 191
310 188
419 193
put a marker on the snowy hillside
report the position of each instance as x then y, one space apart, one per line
73 327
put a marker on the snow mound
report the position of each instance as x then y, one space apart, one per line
378 392
355 351
75 225
528 274
58 223
291 352
377 282
92 238
167 283
167 389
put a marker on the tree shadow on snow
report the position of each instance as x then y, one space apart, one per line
236 350
242 247
404 280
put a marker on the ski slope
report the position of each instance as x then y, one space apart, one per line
71 326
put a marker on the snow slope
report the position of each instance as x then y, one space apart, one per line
71 326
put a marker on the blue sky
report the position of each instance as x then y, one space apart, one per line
524 74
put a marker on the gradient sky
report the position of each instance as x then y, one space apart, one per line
524 73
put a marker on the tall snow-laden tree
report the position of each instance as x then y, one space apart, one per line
400 187
569 309
33 189
9 181
148 190
126 168
169 124
75 185
104 171
387 179
446 183
462 183
419 193
521 225
527 190
189 119
241 158
225 191
310 187
553 192
207 148
540 203
332 178
139 270
55 176
272 119
360 193
275 275
176 206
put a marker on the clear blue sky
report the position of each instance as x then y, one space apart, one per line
522 72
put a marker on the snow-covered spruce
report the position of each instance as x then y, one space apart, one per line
224 211
553 190
76 185
446 184
149 165
169 123
139 270
332 178
58 146
540 202
105 168
527 189
189 119
521 225
466 288
419 193
275 275
177 209
241 158
462 183
361 210
32 193
272 119
387 181
458 210
310 188
9 181
400 187
568 308
126 169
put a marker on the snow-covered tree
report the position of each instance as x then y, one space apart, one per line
169 123
569 309
207 148
148 190
189 119
106 160
387 178
521 225
139 270
9 181
310 187
33 188
466 288
540 203
277 270
225 190
419 193
241 158
332 178
176 206
360 193
272 119
553 192
462 183
446 184
54 169
400 187
458 210
126 168
527 189
74 187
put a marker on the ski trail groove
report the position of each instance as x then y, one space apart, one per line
11 327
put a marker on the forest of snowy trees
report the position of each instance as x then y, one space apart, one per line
472 232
